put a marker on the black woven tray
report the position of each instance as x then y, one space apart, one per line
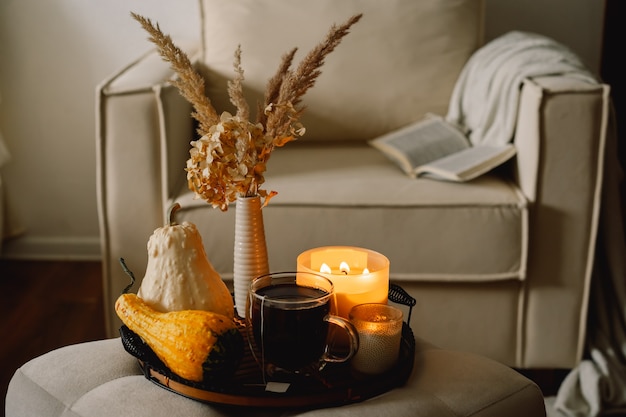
334 385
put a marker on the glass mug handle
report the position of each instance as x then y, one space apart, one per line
352 333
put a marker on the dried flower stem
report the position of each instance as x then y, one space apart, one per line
235 88
273 86
189 82
296 84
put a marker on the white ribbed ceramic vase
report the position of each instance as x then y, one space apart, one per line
250 256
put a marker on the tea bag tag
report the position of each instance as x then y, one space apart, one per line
280 387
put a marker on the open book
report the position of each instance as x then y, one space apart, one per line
437 149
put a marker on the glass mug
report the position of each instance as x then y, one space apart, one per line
288 317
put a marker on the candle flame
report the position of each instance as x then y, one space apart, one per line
344 268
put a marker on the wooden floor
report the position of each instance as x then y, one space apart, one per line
45 305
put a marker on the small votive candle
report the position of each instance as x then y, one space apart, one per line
380 331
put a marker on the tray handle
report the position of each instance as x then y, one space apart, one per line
398 295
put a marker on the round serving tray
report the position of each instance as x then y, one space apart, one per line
334 385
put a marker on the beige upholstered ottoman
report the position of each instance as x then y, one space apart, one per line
101 379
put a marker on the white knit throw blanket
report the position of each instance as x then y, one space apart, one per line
485 98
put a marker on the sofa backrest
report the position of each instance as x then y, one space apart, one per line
398 63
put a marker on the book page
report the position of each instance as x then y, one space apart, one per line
421 142
467 164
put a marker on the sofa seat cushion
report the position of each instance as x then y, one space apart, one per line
430 230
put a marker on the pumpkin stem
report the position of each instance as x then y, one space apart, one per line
130 274
170 214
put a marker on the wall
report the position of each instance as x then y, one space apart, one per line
54 52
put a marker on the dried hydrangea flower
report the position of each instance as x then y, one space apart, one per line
226 162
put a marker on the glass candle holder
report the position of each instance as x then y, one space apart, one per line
359 275
380 331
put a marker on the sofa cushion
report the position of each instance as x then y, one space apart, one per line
398 63
430 230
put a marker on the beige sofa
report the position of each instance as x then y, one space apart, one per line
499 266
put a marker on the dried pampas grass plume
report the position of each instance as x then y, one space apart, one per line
189 82
230 158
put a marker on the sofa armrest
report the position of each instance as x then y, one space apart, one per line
560 138
142 124
531 135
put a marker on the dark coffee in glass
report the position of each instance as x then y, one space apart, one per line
288 316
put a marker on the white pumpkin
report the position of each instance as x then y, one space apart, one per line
179 276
